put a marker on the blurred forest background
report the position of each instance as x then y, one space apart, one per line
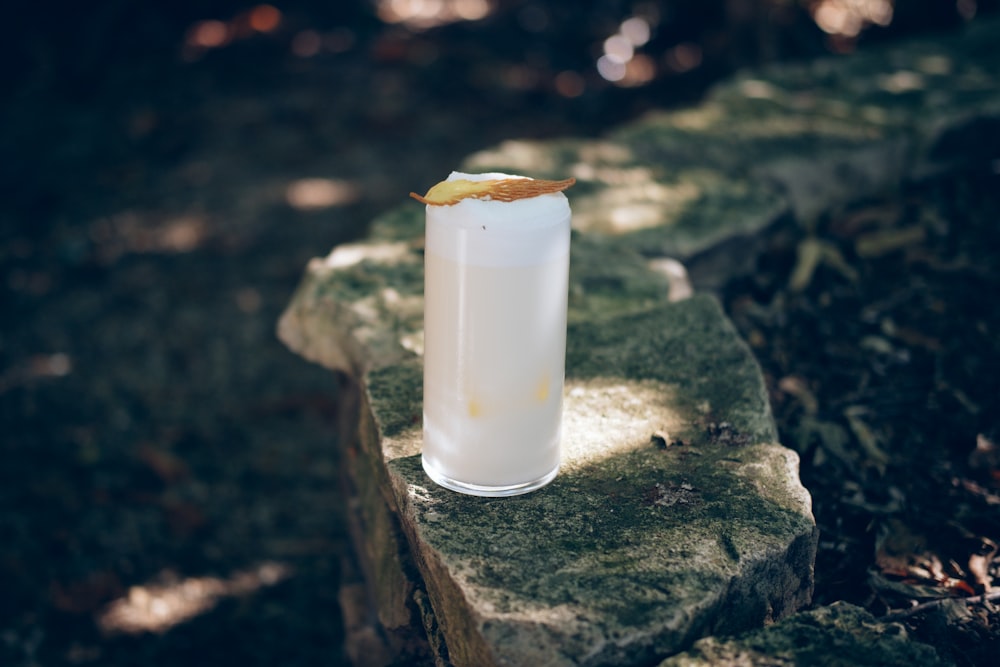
168 477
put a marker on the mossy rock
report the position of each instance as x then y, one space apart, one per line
840 635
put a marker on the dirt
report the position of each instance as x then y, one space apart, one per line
169 491
882 369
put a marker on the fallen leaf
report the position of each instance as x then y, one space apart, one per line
882 242
866 437
978 491
798 387
979 565
165 465
833 439
915 338
897 548
986 455
884 215
813 252
910 591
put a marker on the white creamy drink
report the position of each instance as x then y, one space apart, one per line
496 279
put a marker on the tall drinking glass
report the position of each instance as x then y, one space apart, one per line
495 290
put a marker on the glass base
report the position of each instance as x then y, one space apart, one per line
487 491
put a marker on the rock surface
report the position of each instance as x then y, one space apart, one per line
796 139
676 514
840 635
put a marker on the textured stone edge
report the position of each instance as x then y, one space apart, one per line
834 635
746 598
747 602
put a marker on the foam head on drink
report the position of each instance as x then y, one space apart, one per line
495 288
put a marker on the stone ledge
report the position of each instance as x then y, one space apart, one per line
677 514
674 513
796 139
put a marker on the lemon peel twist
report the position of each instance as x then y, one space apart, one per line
447 193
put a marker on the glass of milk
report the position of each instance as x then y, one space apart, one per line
495 289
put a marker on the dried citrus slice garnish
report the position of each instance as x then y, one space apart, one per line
447 193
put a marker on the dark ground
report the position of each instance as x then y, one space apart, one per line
882 367
166 460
